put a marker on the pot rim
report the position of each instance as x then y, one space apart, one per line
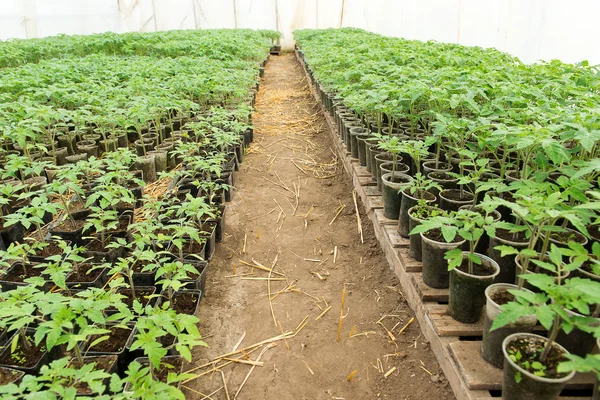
452 245
395 185
484 259
458 201
514 336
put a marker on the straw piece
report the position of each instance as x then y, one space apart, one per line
249 362
339 211
240 341
401 331
362 240
339 336
225 384
252 369
301 322
284 339
309 370
351 375
262 279
391 371
269 288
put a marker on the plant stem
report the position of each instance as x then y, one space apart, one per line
551 338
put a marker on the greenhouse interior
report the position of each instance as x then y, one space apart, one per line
299 199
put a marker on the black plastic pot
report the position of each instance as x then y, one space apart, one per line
491 345
466 295
97 279
508 268
529 386
357 134
378 159
90 148
453 199
145 361
442 178
209 230
392 185
121 355
143 146
415 245
435 166
435 267
75 158
372 149
409 201
577 341
388 167
74 235
45 358
350 142
11 234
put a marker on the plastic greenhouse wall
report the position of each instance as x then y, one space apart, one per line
530 29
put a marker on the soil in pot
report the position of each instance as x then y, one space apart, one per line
9 375
435 267
520 381
52 249
69 230
453 199
86 274
467 288
106 363
24 359
392 198
491 345
142 294
185 302
416 216
168 365
409 200
18 273
116 342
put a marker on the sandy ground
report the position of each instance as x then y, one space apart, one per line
283 216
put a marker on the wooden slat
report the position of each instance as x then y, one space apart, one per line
374 202
445 325
429 294
366 181
480 375
361 171
391 230
372 190
381 220
408 263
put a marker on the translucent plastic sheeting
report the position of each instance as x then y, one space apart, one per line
529 29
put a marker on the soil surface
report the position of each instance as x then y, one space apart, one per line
283 216
114 344
531 349
22 357
8 376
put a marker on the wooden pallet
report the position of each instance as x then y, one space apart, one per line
455 345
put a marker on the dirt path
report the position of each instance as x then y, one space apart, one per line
288 193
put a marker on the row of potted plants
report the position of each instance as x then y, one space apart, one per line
102 275
491 168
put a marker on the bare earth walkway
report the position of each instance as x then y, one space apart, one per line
283 214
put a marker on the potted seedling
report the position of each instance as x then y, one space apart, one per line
182 283
531 361
470 273
416 191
